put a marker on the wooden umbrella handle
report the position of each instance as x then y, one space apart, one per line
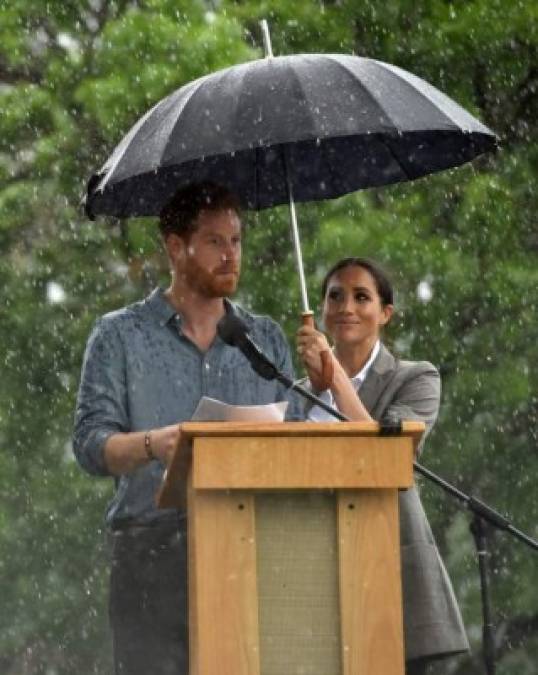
323 381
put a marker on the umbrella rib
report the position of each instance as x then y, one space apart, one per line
181 110
124 146
370 95
294 76
402 78
335 178
137 130
398 161
257 151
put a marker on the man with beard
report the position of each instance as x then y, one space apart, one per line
145 369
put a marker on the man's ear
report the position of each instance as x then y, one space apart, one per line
175 247
386 314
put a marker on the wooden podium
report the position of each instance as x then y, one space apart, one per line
294 557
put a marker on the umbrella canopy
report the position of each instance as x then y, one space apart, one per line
327 123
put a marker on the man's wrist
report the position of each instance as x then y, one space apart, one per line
147 446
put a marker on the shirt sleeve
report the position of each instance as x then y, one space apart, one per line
101 408
418 398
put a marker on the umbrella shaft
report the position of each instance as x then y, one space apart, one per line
266 39
296 240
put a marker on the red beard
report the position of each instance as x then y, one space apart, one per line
218 283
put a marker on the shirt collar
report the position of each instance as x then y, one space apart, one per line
359 378
159 306
163 311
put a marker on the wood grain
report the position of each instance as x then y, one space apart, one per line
223 608
172 493
370 583
232 464
297 461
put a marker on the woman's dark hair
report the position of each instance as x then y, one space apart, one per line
382 282
178 216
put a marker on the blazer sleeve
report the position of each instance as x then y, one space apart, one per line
418 396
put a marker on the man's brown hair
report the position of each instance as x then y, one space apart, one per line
178 216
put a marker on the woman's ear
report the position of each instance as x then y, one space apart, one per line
386 314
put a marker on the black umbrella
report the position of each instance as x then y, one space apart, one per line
302 127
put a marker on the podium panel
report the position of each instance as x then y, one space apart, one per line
294 558
297 569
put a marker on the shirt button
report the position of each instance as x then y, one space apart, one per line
206 366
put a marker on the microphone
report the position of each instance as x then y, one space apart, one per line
234 332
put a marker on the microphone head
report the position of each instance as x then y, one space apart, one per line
232 330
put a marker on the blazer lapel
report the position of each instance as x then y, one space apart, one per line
379 375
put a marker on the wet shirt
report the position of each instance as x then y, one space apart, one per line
140 372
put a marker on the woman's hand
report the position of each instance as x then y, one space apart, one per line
311 343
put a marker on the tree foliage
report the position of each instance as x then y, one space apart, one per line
73 77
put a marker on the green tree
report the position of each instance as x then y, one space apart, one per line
73 77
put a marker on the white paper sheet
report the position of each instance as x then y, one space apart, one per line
213 410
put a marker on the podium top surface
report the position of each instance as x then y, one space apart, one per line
190 430
289 455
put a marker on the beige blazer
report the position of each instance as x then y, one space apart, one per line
410 390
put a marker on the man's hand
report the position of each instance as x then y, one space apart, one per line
164 441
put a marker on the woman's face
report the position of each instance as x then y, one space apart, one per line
352 309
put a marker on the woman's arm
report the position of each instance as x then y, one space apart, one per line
310 344
418 397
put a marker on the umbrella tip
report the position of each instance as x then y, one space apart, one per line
85 209
85 203
268 49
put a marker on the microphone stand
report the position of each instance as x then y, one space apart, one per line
480 510
482 513
478 530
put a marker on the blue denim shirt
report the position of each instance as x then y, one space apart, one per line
140 372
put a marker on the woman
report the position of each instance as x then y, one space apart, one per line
369 383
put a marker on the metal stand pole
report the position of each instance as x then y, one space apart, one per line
478 530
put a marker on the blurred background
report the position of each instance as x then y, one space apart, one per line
461 247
